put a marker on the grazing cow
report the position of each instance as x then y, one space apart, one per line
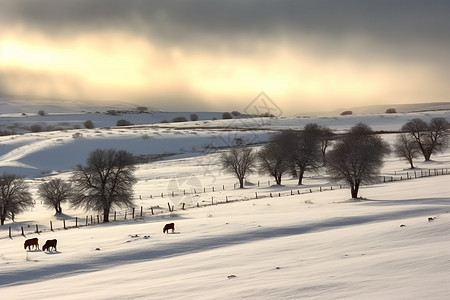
431 219
169 226
31 242
49 244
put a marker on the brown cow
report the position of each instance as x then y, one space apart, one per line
169 226
31 242
49 244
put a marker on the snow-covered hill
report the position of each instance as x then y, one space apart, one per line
268 242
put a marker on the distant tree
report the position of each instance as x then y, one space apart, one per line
357 158
267 115
194 117
179 119
142 109
89 124
235 113
240 161
391 111
430 138
406 147
55 192
346 113
123 123
227 115
42 113
105 181
273 161
112 112
14 196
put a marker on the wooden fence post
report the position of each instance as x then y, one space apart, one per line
51 226
133 213
21 227
64 223
76 222
37 228
10 233
256 194
142 211
170 209
183 206
98 219
152 210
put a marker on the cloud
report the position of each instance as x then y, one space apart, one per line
220 53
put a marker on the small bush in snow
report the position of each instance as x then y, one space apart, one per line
123 123
88 124
194 117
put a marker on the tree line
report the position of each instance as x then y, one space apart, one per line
355 158
107 179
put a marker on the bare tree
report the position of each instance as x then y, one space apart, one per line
273 161
405 147
308 153
357 158
430 138
55 192
14 196
106 181
240 161
326 136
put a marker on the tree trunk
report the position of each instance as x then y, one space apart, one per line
411 163
3 215
278 179
241 183
354 189
300 176
105 215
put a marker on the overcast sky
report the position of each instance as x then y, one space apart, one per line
219 55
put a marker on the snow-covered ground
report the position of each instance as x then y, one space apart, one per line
308 245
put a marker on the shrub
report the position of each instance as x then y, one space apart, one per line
141 109
123 123
194 117
227 115
346 113
42 113
112 112
89 124
391 111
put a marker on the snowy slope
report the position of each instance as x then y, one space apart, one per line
317 245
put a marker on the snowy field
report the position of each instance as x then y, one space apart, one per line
298 244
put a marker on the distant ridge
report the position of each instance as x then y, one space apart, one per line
30 106
400 108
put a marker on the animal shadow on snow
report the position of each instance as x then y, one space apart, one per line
52 252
